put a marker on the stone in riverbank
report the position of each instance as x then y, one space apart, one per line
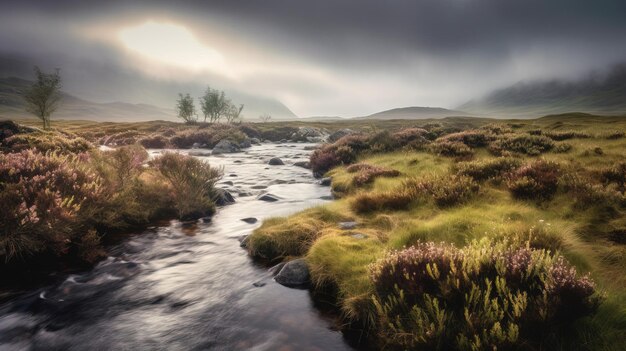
294 274
326 181
225 147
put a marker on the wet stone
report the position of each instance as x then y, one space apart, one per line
250 220
326 181
347 225
294 274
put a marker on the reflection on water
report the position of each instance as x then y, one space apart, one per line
186 287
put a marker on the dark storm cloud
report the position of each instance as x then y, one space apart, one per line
440 47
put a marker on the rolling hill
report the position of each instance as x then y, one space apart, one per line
415 112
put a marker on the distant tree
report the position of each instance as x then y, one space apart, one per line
233 113
43 96
214 105
265 117
186 109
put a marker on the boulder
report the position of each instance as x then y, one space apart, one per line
303 164
276 162
243 240
225 147
326 181
245 144
255 141
309 134
249 220
294 273
340 134
223 197
268 198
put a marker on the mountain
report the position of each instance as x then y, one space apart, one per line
415 112
597 94
72 107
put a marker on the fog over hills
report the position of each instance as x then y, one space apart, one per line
601 93
118 95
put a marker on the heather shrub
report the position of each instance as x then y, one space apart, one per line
471 138
126 162
483 297
564 135
489 169
535 181
497 128
451 149
322 160
444 192
616 134
412 138
42 197
343 151
192 183
525 144
587 192
250 131
561 148
47 141
367 173
155 141
615 175
127 137
278 133
186 139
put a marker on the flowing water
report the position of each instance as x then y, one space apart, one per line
183 287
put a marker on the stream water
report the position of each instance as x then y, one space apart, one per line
182 287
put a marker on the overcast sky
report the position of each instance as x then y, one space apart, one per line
318 57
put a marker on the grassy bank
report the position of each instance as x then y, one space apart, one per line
62 199
539 189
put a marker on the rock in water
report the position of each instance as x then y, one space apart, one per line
326 181
268 198
249 220
223 197
294 274
246 143
225 147
276 162
303 164
255 141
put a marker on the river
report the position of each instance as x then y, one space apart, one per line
187 287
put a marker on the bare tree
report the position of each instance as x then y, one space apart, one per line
186 109
265 117
214 105
43 96
233 113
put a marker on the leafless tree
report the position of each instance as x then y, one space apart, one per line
265 117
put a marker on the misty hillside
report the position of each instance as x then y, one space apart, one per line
72 107
604 94
415 112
